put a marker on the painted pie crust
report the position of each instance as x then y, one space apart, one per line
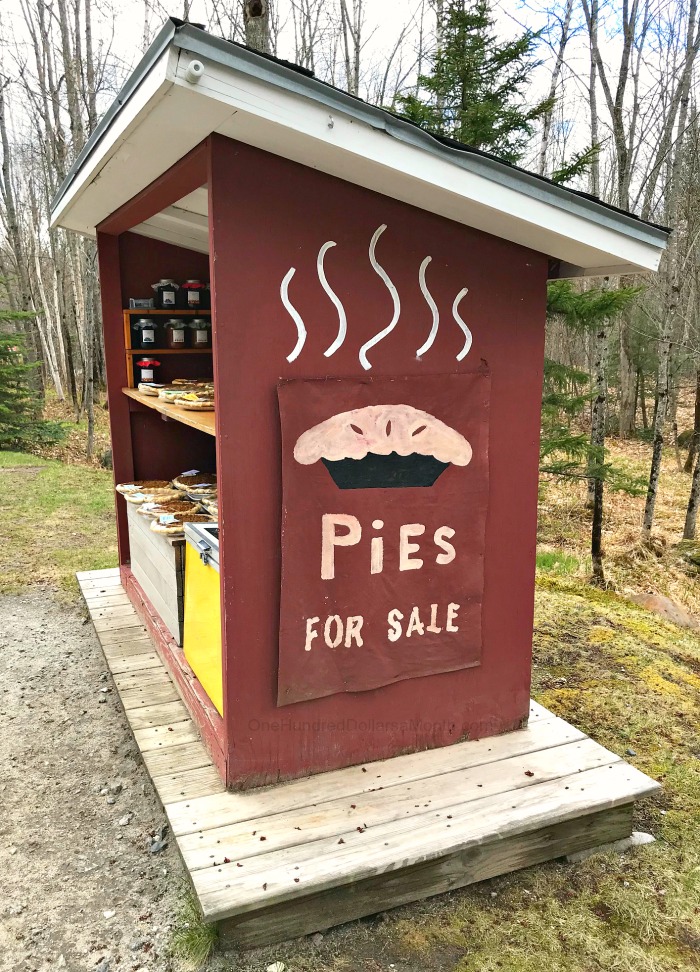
383 446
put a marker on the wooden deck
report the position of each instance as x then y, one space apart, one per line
275 863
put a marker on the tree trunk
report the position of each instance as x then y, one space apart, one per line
554 84
598 421
679 462
660 417
592 95
692 511
256 19
643 401
598 573
627 381
694 446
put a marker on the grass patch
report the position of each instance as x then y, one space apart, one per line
192 941
556 562
55 519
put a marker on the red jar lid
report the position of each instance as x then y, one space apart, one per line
146 362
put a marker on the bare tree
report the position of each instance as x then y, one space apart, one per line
555 79
256 20
352 20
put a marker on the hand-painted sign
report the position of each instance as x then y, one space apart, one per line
385 492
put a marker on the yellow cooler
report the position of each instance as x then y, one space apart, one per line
202 637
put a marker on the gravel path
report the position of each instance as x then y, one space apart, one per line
80 890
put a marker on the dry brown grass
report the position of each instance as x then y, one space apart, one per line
630 566
72 449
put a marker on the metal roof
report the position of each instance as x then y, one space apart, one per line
285 79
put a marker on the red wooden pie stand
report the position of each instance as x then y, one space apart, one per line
324 302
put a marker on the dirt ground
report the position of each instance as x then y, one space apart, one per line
80 890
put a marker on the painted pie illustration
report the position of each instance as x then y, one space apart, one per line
383 447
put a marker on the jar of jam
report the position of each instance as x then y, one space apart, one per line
176 333
200 329
143 333
166 293
191 295
144 369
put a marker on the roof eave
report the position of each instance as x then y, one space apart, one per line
627 244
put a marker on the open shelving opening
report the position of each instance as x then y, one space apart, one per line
165 440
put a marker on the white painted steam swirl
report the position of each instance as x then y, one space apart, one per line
433 307
294 314
467 333
342 320
394 296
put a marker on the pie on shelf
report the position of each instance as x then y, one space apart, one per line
196 483
143 486
154 510
174 523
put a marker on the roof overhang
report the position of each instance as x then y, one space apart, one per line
161 115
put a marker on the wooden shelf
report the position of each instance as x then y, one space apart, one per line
203 421
156 351
150 311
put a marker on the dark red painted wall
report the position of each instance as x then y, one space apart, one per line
256 237
144 261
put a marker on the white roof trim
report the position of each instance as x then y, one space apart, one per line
166 116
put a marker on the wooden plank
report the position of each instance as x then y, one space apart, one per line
169 549
134 663
178 759
148 561
160 351
122 635
204 421
538 712
418 799
157 714
97 595
172 618
157 565
207 813
144 680
111 623
167 736
125 648
312 913
104 612
204 781
227 890
102 585
92 575
105 600
171 613
134 699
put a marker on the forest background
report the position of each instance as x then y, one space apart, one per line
600 94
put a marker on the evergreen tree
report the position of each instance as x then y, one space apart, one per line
565 451
21 425
474 92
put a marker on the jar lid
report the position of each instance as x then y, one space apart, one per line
172 321
146 320
200 322
193 280
164 282
145 362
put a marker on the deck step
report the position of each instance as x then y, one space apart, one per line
282 861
